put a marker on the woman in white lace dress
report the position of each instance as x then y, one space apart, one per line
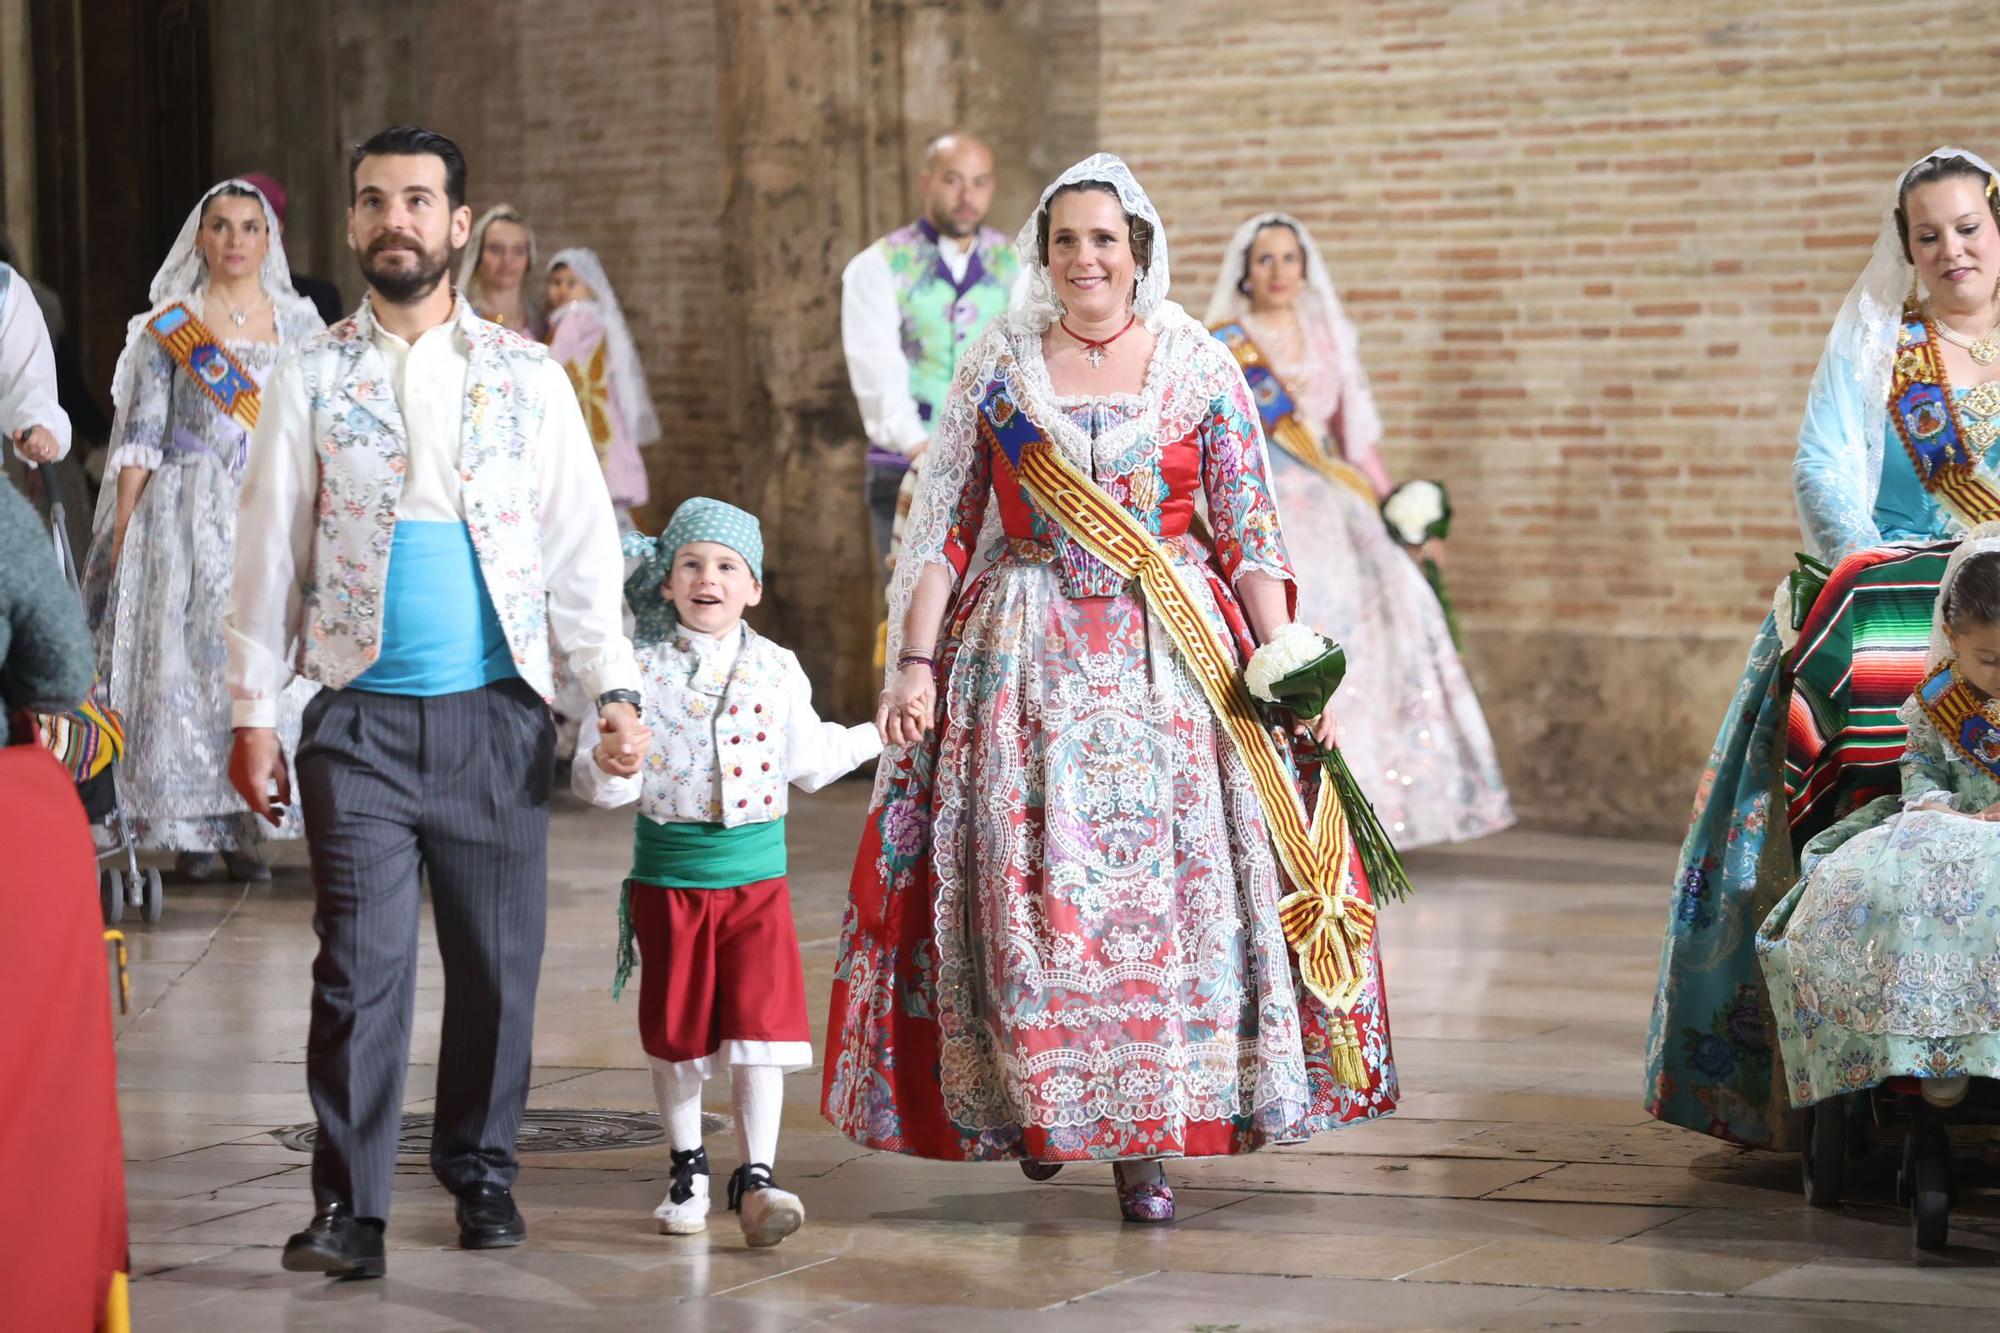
1410 725
163 542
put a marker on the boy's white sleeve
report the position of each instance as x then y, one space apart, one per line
817 752
601 789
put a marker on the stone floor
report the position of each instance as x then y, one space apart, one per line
1519 1186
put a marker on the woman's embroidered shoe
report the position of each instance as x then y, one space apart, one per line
766 1213
684 1212
1035 1170
1148 1199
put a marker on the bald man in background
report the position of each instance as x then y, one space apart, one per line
911 304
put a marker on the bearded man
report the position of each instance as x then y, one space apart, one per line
910 304
422 507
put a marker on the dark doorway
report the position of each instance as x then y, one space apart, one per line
122 153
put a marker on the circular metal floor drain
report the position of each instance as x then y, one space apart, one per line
541 1131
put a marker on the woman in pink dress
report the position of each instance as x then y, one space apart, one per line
1409 723
589 338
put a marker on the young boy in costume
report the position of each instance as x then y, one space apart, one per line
720 983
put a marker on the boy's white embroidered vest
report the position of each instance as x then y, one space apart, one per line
363 451
719 744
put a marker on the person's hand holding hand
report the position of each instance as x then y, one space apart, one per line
625 740
908 705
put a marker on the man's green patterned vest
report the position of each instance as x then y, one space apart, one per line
942 316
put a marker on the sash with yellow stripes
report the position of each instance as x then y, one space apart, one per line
1920 403
1283 425
1961 716
200 353
1328 924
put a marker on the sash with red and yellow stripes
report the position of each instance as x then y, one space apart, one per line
200 353
1920 403
1278 411
1328 924
1961 717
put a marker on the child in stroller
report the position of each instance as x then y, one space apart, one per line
1883 962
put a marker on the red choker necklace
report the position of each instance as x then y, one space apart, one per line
1093 348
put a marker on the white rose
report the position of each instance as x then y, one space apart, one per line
1290 648
1413 509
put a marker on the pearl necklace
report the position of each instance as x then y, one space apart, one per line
1983 350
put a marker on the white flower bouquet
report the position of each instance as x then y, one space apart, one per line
1418 512
1298 672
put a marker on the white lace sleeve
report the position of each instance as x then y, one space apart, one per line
949 511
1927 775
1830 471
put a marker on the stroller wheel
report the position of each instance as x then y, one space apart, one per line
1930 1204
155 900
1824 1160
111 896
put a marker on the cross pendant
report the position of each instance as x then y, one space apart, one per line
1095 356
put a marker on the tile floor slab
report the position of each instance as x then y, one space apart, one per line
1519 1170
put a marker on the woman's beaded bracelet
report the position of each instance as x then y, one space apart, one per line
915 659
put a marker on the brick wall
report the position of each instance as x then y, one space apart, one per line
1592 250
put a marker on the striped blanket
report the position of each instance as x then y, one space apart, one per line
85 740
1859 656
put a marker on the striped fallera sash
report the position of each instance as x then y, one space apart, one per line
1961 716
1278 412
200 353
1326 921
1926 417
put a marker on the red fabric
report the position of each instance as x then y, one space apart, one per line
717 965
62 1174
879 1084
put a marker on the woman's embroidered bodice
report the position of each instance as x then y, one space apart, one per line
1191 431
1904 510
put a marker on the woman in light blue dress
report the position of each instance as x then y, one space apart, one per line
156 580
1883 511
1884 961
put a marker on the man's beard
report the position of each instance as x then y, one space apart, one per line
401 286
947 225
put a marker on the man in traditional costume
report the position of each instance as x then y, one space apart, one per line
423 507
911 304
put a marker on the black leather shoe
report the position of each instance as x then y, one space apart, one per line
488 1219
338 1244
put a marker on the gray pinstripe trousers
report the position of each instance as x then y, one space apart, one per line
456 787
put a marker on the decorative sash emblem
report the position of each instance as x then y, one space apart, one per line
1279 413
200 353
1920 403
1328 924
1962 716
591 379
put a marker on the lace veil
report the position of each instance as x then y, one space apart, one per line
475 245
1982 539
1854 371
628 375
954 442
1320 303
184 277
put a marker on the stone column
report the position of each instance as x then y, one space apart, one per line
825 112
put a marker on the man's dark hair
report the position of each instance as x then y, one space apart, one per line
413 141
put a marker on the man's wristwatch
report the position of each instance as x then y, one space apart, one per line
618 697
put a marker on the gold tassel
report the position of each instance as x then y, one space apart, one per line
1349 1069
